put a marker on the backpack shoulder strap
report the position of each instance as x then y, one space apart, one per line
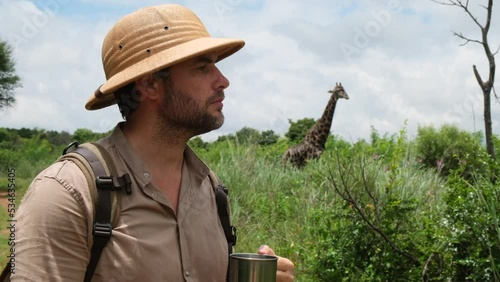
100 172
6 273
223 209
94 161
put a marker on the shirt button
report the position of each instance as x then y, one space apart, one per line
187 273
154 194
146 174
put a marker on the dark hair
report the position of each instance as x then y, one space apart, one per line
128 99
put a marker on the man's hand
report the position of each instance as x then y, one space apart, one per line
285 266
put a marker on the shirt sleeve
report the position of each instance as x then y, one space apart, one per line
52 227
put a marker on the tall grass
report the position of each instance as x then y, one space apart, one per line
289 209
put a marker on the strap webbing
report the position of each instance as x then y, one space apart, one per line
102 228
5 276
223 210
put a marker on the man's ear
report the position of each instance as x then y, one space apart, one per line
148 86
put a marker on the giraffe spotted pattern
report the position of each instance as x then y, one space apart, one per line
314 143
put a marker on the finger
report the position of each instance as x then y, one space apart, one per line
265 250
285 265
285 270
284 277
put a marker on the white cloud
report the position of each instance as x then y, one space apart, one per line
405 65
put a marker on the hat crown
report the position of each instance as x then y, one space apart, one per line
147 32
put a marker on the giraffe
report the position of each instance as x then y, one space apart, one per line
314 142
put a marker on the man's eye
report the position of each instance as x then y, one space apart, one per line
203 68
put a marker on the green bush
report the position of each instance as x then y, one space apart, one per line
197 143
247 135
298 129
83 135
474 238
9 139
8 159
450 148
382 226
268 137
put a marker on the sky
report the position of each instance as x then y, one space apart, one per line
397 60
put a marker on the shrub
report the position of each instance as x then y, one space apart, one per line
8 159
268 137
449 149
83 135
299 129
474 238
247 135
384 224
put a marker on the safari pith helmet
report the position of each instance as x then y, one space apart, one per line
152 39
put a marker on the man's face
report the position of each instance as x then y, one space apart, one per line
194 92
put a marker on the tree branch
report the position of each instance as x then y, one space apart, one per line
467 40
478 77
374 200
489 10
444 3
428 261
496 52
345 193
460 4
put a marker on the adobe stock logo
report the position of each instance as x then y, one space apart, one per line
33 23
223 7
371 29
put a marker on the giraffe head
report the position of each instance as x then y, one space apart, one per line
339 91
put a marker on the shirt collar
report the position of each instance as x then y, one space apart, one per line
118 140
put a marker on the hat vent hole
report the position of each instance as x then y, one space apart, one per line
148 51
120 46
165 28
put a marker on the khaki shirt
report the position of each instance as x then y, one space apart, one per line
150 242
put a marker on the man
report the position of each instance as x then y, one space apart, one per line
160 69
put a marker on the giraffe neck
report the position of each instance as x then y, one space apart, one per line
319 133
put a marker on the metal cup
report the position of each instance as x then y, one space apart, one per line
245 267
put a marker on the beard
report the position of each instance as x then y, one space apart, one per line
181 113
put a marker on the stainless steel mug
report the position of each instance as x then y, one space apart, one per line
245 267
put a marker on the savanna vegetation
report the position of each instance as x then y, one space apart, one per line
384 209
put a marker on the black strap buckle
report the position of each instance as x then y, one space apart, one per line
102 229
71 145
114 183
104 182
233 233
123 181
224 188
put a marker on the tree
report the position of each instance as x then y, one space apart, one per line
28 132
56 138
197 143
450 149
226 138
247 135
299 129
268 137
83 135
8 79
486 86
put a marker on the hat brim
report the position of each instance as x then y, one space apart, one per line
224 47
